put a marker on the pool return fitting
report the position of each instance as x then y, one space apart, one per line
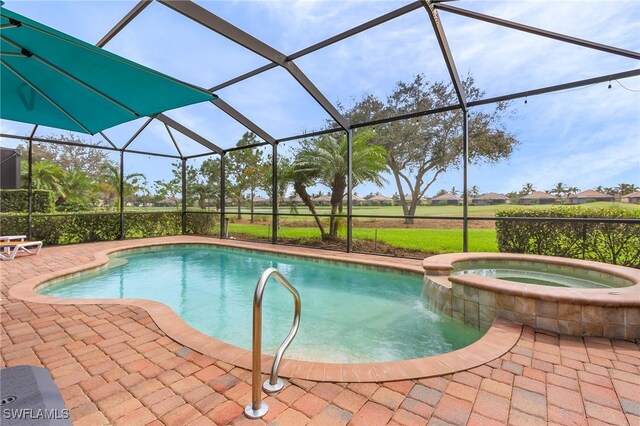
257 408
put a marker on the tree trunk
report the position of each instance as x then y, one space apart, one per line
251 204
301 190
339 187
403 200
412 208
333 223
239 200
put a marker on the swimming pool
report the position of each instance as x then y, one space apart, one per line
349 313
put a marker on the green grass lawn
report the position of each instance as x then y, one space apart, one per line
387 231
431 240
427 240
455 211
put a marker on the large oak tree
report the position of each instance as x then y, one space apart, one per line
421 149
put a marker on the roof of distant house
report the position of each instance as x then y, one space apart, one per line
536 195
590 193
446 196
322 198
633 194
379 197
492 196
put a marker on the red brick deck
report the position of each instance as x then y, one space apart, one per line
115 366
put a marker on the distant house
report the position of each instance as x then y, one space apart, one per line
355 199
210 202
634 197
294 200
380 200
590 195
322 200
538 197
167 202
259 201
421 201
445 200
490 199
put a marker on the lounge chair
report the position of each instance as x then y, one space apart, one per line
9 238
11 248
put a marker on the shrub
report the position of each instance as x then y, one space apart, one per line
14 224
76 228
87 227
203 224
156 224
616 243
17 200
74 205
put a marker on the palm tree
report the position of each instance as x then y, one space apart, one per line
474 192
109 184
626 188
80 190
527 189
49 176
572 190
324 161
559 189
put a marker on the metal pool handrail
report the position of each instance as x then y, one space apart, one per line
257 409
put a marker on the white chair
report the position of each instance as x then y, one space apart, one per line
11 248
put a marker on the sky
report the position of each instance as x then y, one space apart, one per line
582 137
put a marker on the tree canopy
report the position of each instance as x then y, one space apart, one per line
420 149
324 161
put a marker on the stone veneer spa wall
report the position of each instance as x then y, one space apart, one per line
477 300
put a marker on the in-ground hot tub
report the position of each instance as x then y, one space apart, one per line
540 273
568 296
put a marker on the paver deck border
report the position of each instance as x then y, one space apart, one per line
497 341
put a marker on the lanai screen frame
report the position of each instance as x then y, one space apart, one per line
209 20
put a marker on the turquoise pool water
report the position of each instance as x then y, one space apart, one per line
539 273
534 277
349 313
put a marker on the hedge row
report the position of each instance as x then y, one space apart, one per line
203 224
157 224
616 243
17 200
81 228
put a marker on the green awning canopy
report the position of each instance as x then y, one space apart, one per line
52 79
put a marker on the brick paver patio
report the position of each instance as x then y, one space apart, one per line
113 365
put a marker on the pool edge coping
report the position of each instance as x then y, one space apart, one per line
499 338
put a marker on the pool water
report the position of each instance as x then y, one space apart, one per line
349 313
539 277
